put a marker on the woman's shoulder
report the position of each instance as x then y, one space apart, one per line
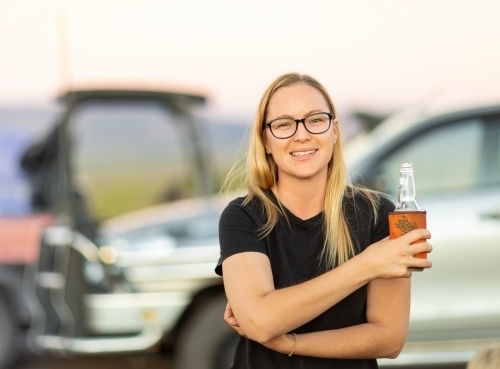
244 202
243 205
385 203
237 202
365 200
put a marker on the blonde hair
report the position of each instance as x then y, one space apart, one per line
262 174
487 358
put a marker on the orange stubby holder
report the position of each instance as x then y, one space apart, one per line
402 222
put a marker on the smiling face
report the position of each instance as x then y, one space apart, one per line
304 156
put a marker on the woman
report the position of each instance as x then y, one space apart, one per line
304 289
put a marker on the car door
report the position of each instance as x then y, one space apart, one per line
457 171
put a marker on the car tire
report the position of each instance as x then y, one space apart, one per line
9 336
207 341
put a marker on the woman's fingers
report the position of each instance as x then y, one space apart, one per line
393 257
416 248
229 316
416 235
419 247
230 319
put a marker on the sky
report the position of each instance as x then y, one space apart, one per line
374 55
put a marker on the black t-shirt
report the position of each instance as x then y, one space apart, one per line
294 249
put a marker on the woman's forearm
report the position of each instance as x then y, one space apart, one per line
364 341
264 315
388 311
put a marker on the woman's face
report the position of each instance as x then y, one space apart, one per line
304 155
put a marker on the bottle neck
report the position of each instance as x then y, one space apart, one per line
407 193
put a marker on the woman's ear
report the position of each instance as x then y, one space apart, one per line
266 147
335 131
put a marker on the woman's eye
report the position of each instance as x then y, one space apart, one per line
316 119
284 124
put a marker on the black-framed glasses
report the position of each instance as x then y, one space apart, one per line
315 123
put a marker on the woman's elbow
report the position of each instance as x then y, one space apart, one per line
394 348
260 334
261 338
395 353
260 331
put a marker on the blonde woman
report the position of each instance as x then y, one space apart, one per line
311 278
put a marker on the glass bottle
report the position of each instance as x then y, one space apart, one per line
406 192
407 216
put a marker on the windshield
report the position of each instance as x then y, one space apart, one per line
128 156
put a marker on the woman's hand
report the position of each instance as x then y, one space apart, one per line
231 320
392 258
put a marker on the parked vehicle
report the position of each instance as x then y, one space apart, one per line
456 156
171 250
111 151
455 305
135 281
20 232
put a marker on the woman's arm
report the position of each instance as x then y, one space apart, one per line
264 313
383 336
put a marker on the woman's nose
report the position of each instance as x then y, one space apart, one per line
302 133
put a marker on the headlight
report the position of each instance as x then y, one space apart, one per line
142 250
93 272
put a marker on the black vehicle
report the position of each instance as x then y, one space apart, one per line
112 151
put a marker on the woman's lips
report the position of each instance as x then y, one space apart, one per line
303 153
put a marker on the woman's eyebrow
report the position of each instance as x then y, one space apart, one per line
312 112
292 117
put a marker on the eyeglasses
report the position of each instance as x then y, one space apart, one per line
315 123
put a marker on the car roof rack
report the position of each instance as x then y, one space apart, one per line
79 96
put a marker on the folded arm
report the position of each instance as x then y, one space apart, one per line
383 336
265 314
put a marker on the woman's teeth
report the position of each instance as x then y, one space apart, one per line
303 153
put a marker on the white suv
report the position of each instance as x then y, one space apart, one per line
456 157
455 305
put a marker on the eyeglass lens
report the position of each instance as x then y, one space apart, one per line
286 127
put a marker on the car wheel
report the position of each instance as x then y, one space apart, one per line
9 336
207 341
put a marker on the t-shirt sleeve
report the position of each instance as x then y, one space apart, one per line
380 229
238 232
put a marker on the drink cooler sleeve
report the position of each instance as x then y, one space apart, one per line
402 222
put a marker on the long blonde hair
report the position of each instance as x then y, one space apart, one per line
262 174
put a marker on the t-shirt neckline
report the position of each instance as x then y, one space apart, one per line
294 217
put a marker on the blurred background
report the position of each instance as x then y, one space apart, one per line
375 58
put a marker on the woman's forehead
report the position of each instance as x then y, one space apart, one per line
296 100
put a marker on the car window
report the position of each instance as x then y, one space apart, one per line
491 172
130 156
446 158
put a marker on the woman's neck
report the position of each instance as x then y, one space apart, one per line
303 198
